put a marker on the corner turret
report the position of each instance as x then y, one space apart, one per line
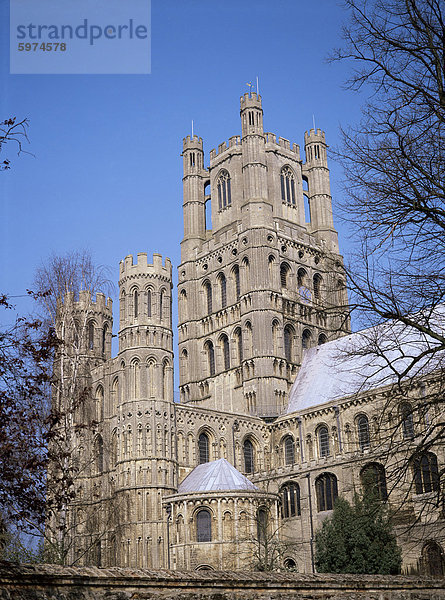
194 181
316 173
251 114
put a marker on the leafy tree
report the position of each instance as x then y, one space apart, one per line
358 539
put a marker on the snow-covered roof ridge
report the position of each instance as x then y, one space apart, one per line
366 360
215 476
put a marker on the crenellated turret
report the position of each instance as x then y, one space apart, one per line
316 172
251 113
145 295
194 182
257 209
86 325
146 452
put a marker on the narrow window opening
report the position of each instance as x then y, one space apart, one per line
91 335
226 352
148 303
248 451
203 448
223 289
323 441
204 526
136 300
363 432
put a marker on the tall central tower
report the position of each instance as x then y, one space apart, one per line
266 282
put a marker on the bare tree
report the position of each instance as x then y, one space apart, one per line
15 132
395 204
67 285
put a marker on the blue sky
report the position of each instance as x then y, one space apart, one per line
105 171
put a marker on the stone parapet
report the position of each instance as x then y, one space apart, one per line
90 583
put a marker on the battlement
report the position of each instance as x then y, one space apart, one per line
252 100
235 140
194 142
127 267
314 136
101 304
271 138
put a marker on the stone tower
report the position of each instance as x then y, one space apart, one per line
146 467
266 281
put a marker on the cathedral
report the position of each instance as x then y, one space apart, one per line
277 414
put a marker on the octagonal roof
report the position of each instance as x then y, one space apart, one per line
215 476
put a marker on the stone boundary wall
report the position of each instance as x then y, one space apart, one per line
53 582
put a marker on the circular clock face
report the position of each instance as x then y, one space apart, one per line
305 294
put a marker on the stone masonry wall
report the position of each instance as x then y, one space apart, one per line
51 582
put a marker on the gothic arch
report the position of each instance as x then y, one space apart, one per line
287 182
225 350
223 189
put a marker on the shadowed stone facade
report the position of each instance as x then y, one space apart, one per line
258 293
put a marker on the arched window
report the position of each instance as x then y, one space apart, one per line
248 451
289 450
363 432
208 293
249 338
203 525
406 415
246 267
76 334
122 306
223 289
288 342
91 335
284 270
262 522
326 490
323 440
104 338
210 357
290 500
149 303
317 286
203 448
224 190
183 305
373 479
301 278
306 339
99 454
237 282
135 378
275 328
426 473
165 379
113 448
136 303
161 304
115 395
432 560
322 339
226 351
239 343
99 403
287 186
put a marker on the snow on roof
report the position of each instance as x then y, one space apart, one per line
366 360
214 476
